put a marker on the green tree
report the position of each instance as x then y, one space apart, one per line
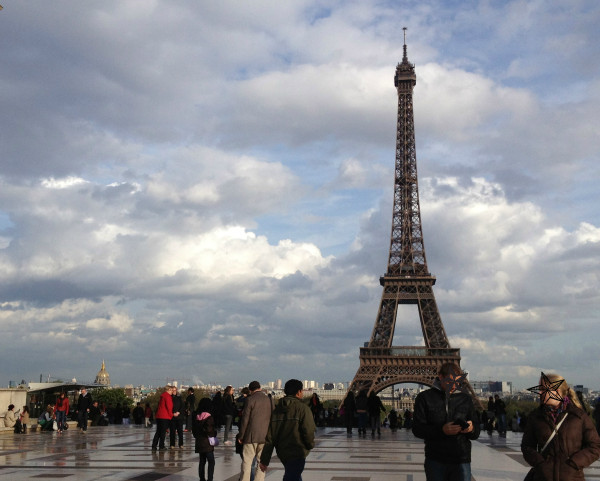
112 396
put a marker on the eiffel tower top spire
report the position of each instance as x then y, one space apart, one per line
405 71
407 251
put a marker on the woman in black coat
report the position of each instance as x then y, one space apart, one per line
203 427
576 443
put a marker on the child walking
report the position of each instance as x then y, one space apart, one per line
203 427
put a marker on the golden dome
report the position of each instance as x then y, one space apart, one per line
103 377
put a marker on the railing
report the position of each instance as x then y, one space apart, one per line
409 351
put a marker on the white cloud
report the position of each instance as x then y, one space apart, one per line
219 180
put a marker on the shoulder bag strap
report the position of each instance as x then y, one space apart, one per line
554 432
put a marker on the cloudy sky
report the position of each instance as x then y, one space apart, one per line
202 190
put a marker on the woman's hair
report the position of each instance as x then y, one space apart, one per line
205 405
229 390
564 389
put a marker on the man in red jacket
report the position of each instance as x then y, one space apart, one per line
164 413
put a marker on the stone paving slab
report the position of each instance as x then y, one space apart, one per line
122 453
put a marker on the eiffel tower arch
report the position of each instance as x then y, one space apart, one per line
407 280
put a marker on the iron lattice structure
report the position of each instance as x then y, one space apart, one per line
407 280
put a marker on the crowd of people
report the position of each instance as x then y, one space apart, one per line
263 426
560 438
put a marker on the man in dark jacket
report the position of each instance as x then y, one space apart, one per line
190 407
291 433
500 412
84 403
447 420
177 420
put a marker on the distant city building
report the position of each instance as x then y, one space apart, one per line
492 387
103 377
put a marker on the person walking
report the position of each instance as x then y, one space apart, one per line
447 420
253 429
164 414
362 403
291 433
61 410
176 425
316 407
375 407
138 414
190 407
490 415
217 409
229 412
349 406
84 403
203 428
147 416
500 413
560 439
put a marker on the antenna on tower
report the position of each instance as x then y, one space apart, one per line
405 57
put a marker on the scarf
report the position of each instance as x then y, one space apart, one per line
554 412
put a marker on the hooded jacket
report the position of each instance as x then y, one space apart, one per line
433 409
291 431
203 427
574 447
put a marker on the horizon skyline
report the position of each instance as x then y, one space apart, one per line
175 381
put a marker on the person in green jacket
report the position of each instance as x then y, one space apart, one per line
291 432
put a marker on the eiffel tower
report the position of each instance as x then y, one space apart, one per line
407 280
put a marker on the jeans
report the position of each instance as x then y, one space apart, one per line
61 419
362 421
204 457
176 428
228 421
502 423
375 424
82 417
161 432
293 470
436 471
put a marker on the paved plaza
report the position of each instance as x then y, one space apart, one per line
123 453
